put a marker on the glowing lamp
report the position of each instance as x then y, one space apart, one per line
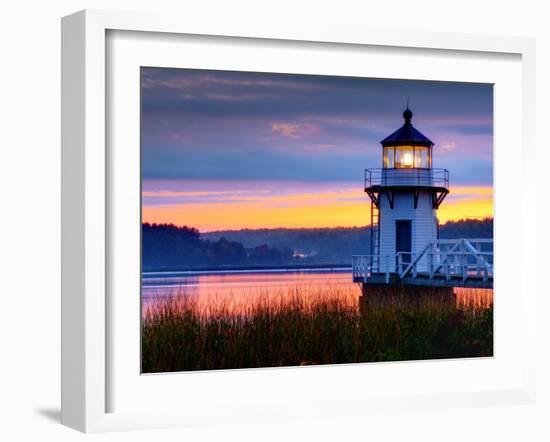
407 159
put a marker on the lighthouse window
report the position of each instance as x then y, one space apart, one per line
407 157
389 157
422 157
418 158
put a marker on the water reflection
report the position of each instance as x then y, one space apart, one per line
235 292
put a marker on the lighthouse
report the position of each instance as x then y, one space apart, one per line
405 248
405 195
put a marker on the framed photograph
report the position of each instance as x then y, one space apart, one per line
271 223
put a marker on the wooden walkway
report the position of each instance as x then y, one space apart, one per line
423 279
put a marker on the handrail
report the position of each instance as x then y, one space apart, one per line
364 265
411 177
461 250
446 257
415 261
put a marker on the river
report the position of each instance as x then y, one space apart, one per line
237 289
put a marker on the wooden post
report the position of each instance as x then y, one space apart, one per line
456 261
399 263
465 262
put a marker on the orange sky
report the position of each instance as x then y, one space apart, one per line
345 207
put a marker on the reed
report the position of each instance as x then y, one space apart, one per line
303 326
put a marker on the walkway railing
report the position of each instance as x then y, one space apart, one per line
443 259
363 266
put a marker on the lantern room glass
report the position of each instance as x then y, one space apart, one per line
407 157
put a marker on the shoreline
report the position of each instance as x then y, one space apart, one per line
308 269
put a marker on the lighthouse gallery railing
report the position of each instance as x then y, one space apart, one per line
407 177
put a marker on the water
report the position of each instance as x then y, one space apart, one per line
238 289
197 283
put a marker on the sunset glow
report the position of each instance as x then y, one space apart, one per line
287 205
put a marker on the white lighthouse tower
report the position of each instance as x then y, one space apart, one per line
406 250
405 195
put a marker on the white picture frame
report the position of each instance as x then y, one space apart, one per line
86 210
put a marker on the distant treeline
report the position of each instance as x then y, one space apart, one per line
319 245
471 228
168 247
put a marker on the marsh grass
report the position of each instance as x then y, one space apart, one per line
315 325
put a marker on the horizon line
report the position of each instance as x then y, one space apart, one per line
465 219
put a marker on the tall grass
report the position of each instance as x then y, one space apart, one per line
321 326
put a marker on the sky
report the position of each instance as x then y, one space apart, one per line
230 150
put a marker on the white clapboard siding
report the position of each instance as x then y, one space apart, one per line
424 225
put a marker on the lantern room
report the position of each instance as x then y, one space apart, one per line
407 148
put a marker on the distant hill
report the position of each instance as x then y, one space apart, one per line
467 229
168 247
330 245
337 245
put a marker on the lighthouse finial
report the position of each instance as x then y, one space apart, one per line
407 115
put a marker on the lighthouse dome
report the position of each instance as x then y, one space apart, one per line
407 134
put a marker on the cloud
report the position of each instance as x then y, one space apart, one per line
172 193
447 146
285 129
199 124
293 130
